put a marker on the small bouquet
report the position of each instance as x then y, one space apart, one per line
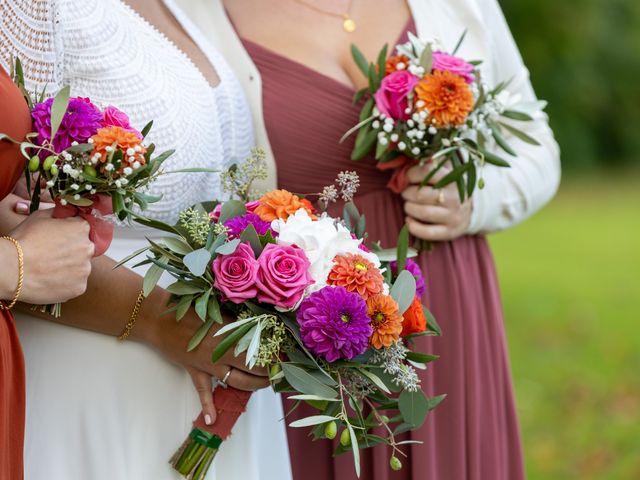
92 162
330 318
428 105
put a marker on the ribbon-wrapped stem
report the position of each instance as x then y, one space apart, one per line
196 454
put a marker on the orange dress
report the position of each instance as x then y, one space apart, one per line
15 121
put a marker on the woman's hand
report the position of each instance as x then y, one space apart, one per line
57 258
171 339
435 214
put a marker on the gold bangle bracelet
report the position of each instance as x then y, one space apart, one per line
4 306
134 316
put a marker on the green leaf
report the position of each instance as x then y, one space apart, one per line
252 351
365 146
231 209
80 202
313 420
236 324
152 277
520 134
376 380
521 116
374 82
307 398
497 136
304 382
181 288
213 310
402 248
432 324
433 402
381 150
355 449
454 175
421 357
199 335
147 128
228 341
360 60
382 61
414 407
404 290
183 306
459 44
229 247
59 108
158 225
426 59
176 245
244 342
250 235
197 261
201 305
391 254
130 257
494 159
357 97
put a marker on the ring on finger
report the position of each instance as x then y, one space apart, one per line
223 382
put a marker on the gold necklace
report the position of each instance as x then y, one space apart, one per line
348 23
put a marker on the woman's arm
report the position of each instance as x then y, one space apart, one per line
513 194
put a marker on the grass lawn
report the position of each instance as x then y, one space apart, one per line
571 290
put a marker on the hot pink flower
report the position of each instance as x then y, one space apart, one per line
114 117
445 62
236 274
283 275
250 206
391 97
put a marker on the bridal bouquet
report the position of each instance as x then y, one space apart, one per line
92 162
331 319
425 104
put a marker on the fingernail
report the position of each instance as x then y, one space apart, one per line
207 419
22 207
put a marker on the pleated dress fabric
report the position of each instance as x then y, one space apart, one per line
474 433
15 121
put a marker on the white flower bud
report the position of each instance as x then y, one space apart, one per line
415 151
420 103
375 124
400 66
446 142
109 149
433 130
136 165
128 170
394 137
138 148
75 186
402 146
63 202
76 197
388 127
131 152
90 140
383 141
88 187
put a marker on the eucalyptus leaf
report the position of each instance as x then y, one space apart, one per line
433 402
199 335
197 261
201 305
403 290
304 382
313 420
231 209
414 407
229 247
59 108
250 235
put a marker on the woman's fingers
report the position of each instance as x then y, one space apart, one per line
202 381
418 194
23 206
246 381
418 173
238 363
428 213
432 233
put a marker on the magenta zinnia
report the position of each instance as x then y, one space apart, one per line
334 324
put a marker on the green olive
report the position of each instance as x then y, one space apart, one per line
345 438
331 430
89 170
48 162
395 463
34 163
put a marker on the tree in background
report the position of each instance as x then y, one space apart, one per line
584 58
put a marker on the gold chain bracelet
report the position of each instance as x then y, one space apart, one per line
134 316
3 306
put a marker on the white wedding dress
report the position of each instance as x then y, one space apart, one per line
98 409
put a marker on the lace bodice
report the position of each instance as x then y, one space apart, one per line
105 51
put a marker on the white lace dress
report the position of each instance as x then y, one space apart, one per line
98 409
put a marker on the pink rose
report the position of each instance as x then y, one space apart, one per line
250 206
236 274
114 117
445 62
391 97
283 275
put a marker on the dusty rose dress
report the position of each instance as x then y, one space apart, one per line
16 122
473 434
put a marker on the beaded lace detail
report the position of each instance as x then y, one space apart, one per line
106 51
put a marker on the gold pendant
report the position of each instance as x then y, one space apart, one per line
349 25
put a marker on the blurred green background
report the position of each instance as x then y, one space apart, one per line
569 275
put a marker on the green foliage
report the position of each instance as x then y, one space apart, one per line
584 58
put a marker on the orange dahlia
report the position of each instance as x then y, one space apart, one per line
414 319
117 138
356 274
281 204
447 98
385 320
392 63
